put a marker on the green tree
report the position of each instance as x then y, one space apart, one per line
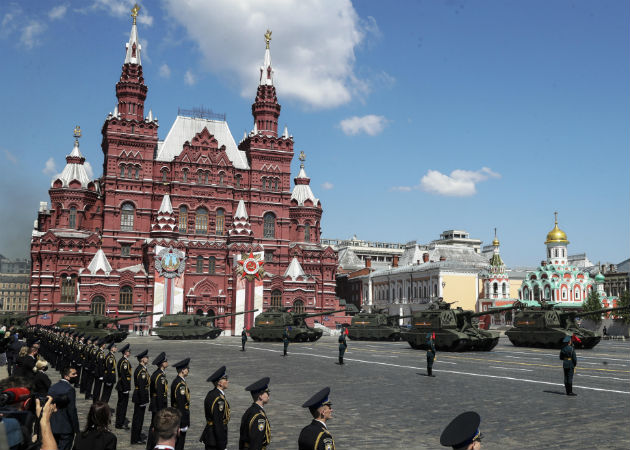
624 301
593 303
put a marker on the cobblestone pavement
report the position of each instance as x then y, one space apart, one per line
383 400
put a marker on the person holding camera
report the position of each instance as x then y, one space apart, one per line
65 422
96 435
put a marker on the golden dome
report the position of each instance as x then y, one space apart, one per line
495 242
556 236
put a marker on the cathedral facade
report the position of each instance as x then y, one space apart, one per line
197 193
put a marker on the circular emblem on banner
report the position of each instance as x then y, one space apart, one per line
251 267
170 262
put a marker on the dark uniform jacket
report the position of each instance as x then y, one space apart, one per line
568 357
124 375
141 386
109 369
95 440
255 432
159 391
24 367
217 411
65 420
100 364
315 436
180 399
430 352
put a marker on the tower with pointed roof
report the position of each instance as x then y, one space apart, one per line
557 245
306 210
495 281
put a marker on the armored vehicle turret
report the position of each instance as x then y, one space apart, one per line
454 329
270 326
19 320
375 327
547 326
190 326
97 324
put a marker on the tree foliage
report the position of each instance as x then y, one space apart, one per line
624 301
593 303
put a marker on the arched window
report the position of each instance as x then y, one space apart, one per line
307 232
504 289
221 178
201 221
237 181
122 171
199 177
185 175
125 298
164 175
183 219
435 290
298 306
269 225
536 292
276 298
199 265
68 288
126 217
73 218
211 313
275 184
212 265
576 294
220 222
129 171
137 172
495 288
98 305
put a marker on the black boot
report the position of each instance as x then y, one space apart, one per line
571 390
340 360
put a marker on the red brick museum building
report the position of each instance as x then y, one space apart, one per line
198 191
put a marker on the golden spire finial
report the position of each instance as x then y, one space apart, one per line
268 37
77 132
556 216
134 12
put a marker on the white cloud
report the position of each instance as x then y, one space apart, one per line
122 8
327 185
402 188
31 32
51 167
165 71
8 24
370 125
10 156
313 46
189 78
89 170
460 183
58 12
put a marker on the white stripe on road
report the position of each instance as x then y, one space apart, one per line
597 376
379 363
512 368
520 357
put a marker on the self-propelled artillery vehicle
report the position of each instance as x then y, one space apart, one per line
97 324
367 326
19 320
546 326
190 326
454 329
270 326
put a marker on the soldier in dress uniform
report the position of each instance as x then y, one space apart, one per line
217 409
430 354
99 369
316 436
255 431
159 394
140 397
77 356
109 372
243 339
92 354
569 362
180 399
83 357
123 387
463 432
343 345
285 341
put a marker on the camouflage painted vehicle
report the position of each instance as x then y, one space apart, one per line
97 324
19 320
454 329
190 326
270 325
375 327
545 326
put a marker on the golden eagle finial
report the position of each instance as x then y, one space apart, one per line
268 37
302 157
77 132
134 12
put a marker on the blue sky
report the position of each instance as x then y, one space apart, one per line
416 117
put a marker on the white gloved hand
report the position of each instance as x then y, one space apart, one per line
142 406
100 378
183 430
126 392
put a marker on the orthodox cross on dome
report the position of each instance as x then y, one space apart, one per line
555 213
267 38
134 12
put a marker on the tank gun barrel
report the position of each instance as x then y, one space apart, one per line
41 313
324 313
590 313
209 318
492 311
133 316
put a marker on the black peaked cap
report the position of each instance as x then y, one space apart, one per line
461 430
258 386
318 399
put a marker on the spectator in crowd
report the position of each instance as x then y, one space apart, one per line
166 425
25 365
96 435
12 352
65 422
41 382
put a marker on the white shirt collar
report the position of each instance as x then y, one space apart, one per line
321 423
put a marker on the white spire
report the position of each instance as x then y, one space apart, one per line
294 270
100 262
255 128
241 212
286 133
266 71
75 150
302 191
166 207
244 134
116 111
133 46
150 117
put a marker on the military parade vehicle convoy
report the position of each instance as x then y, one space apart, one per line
97 324
453 328
19 320
546 326
270 326
375 327
190 326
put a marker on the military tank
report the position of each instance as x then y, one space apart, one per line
190 326
19 320
454 329
270 326
546 326
378 326
97 324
